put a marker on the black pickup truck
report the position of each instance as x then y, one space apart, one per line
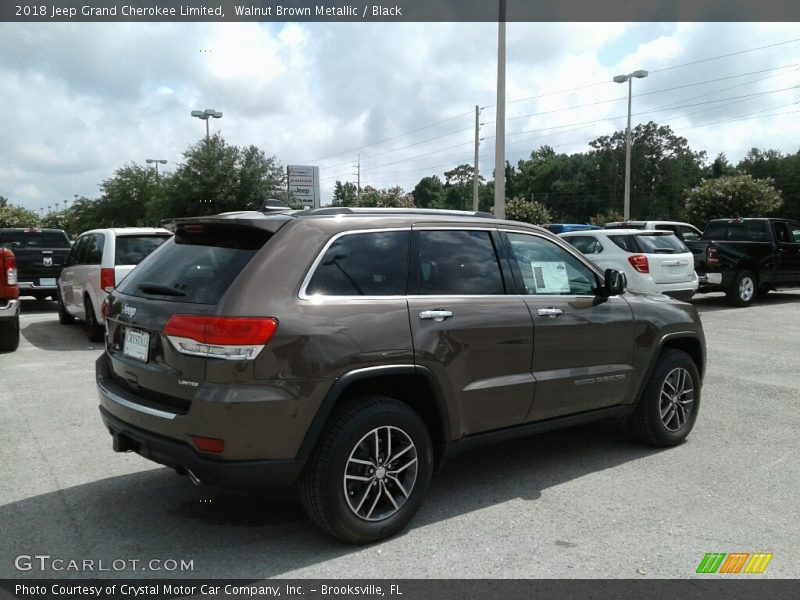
40 255
747 257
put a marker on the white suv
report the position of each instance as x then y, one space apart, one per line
97 262
685 231
653 261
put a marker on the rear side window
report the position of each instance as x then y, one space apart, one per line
196 265
744 231
94 249
363 264
457 263
661 244
132 249
586 244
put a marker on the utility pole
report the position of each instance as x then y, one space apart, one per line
500 135
358 177
475 176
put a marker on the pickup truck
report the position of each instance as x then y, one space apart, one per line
41 254
747 257
9 303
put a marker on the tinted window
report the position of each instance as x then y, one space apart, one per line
743 231
626 242
457 263
661 244
363 264
34 238
586 244
132 249
78 252
94 249
687 233
548 269
197 265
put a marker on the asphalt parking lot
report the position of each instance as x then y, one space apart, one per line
586 502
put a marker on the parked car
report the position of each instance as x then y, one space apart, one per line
354 350
565 227
685 231
98 261
653 261
747 257
9 303
40 255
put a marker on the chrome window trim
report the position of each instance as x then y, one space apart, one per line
313 268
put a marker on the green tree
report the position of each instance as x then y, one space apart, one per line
393 197
344 194
458 188
732 196
607 216
429 192
217 177
17 216
526 211
127 196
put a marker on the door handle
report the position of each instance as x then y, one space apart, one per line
549 312
435 315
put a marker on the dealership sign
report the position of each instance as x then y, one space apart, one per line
303 185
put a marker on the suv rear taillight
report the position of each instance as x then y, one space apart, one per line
231 338
639 262
107 280
712 257
8 274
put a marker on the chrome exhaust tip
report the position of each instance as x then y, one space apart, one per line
192 477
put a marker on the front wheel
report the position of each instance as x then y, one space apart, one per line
371 471
667 410
743 289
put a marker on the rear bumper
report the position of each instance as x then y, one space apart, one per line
251 474
9 309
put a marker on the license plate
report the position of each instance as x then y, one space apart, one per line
136 344
47 281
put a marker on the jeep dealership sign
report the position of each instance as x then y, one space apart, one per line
303 184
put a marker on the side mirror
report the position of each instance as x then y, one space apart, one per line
614 283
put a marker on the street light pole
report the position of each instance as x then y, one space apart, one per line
640 74
205 115
156 161
500 125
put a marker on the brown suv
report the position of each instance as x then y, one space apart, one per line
353 351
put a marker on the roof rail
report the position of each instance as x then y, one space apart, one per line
347 210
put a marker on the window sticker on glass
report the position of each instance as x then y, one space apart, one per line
550 277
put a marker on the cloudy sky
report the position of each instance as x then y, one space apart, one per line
80 100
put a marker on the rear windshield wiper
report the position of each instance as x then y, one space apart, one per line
156 288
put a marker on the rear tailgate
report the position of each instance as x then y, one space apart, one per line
40 255
669 259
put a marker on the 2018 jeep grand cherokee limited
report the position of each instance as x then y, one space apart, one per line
352 351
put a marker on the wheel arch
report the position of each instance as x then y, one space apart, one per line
410 384
686 341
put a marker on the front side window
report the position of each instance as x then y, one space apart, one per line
363 264
456 263
548 269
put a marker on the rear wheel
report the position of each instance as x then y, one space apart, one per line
743 289
94 330
63 316
667 410
371 471
9 334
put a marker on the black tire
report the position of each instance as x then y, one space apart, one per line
63 316
346 448
743 290
9 334
663 418
94 330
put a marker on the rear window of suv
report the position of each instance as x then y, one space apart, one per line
34 238
132 249
661 244
197 265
